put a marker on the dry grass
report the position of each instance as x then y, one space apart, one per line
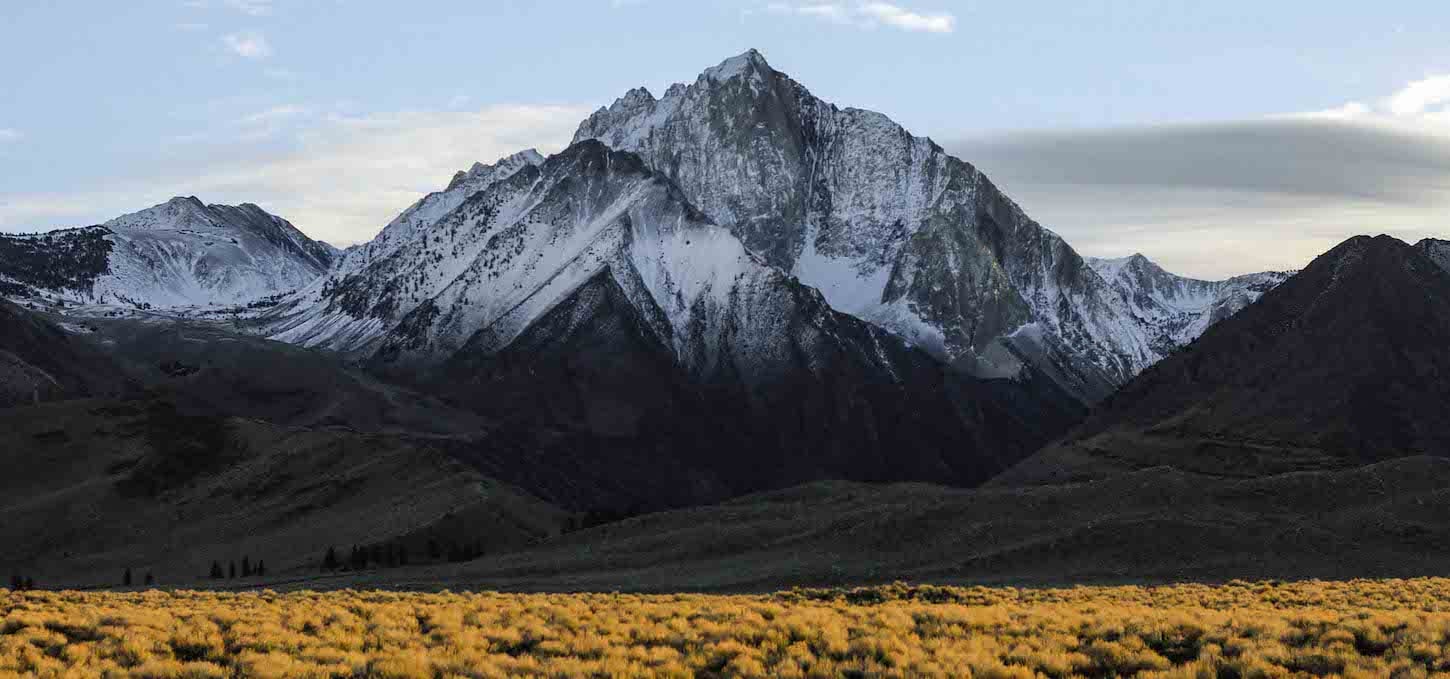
1390 628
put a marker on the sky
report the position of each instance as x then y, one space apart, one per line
1215 137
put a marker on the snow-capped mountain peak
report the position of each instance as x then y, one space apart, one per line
750 62
179 253
887 225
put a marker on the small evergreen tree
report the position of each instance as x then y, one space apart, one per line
150 579
216 570
402 555
126 579
246 567
329 562
232 570
261 568
29 583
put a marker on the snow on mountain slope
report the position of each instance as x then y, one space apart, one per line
179 253
1177 309
887 225
510 252
414 222
585 293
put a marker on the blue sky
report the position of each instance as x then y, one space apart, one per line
338 113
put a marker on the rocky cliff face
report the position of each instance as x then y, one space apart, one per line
888 226
1437 250
1176 309
586 292
179 253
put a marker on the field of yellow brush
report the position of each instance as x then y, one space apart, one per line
1371 628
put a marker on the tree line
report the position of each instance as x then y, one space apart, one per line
230 573
397 554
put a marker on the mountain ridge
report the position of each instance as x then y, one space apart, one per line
1345 363
889 226
180 253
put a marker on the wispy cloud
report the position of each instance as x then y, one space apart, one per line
248 45
1219 199
892 15
1425 101
8 134
338 177
869 15
1428 96
250 7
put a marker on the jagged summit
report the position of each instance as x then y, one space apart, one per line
746 63
480 172
887 225
587 292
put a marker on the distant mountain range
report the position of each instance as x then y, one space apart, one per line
1345 364
726 291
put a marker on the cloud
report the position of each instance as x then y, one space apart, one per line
248 45
1220 199
869 15
891 15
337 177
1421 101
250 7
8 134
1430 95
191 27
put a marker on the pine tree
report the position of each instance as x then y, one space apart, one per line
126 579
216 570
329 562
150 579
29 583
261 568
232 570
402 555
246 567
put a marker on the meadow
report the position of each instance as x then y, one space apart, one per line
1366 628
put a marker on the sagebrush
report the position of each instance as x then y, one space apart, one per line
1369 628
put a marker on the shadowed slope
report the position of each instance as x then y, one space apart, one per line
1346 363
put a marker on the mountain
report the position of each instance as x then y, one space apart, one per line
1437 250
1177 309
584 295
179 253
1344 364
888 226
41 361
